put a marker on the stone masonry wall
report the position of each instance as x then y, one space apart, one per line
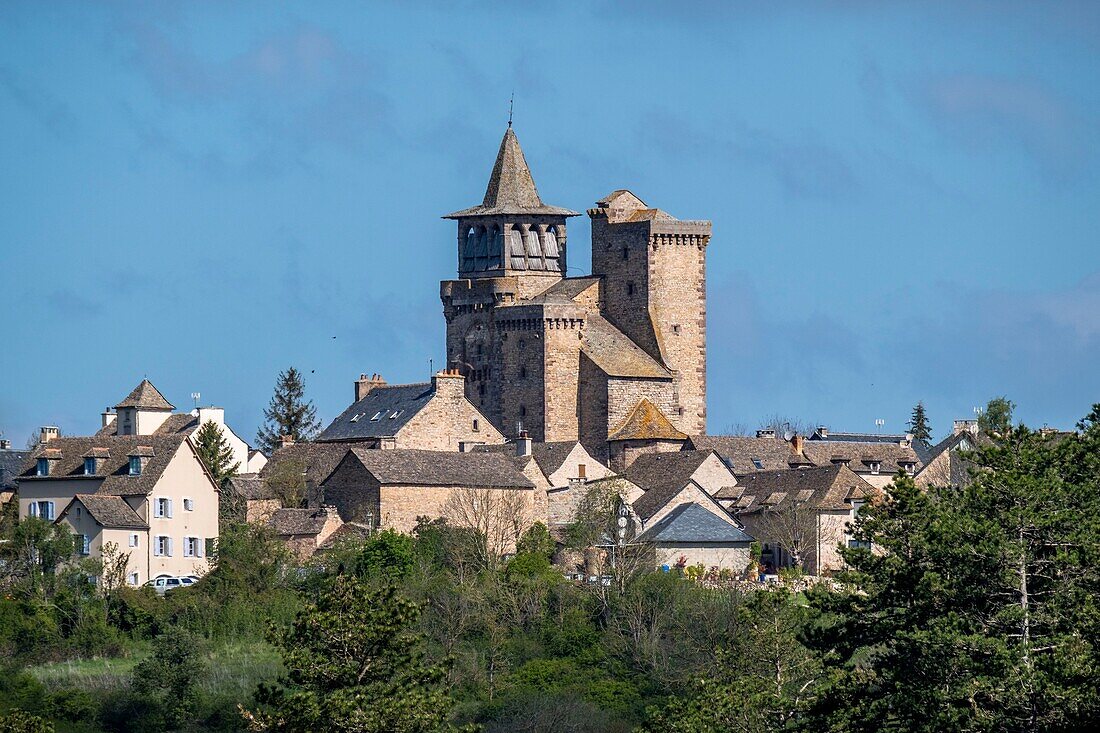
447 420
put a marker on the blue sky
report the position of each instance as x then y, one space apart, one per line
904 195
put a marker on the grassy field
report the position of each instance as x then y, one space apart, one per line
231 670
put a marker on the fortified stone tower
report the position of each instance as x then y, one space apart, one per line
654 278
510 248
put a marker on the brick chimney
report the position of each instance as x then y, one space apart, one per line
285 441
449 383
47 433
363 385
523 445
107 416
796 443
5 444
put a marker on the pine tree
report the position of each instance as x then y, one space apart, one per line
354 661
288 413
918 426
215 453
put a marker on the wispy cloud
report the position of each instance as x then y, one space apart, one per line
980 110
805 167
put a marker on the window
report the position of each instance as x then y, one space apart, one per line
133 539
859 544
192 547
396 414
43 468
135 465
522 410
188 505
676 328
630 288
377 416
132 578
626 254
477 426
89 466
758 464
82 544
875 466
162 546
581 470
42 509
523 372
162 508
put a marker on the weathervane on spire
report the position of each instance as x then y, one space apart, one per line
511 103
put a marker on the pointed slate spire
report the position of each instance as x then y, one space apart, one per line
146 397
510 183
511 188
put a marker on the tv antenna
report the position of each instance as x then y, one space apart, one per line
195 397
879 422
511 104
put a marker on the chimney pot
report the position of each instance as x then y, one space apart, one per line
48 433
286 440
796 443
363 386
5 444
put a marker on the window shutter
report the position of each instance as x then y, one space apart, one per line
169 544
49 506
208 550
198 548
156 546
169 501
34 509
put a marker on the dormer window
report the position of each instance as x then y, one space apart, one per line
875 466
89 466
43 467
758 464
135 465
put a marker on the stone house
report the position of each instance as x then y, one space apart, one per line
812 506
294 472
391 489
305 530
259 499
946 465
148 494
691 534
570 359
426 416
145 411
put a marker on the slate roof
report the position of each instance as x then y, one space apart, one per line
738 452
549 456
250 487
832 437
442 468
692 523
394 404
109 511
10 463
890 456
829 487
564 290
317 459
288 522
646 422
113 471
614 353
346 531
511 188
662 476
146 397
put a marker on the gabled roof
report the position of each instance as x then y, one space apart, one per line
317 460
114 470
662 476
692 523
549 456
824 487
288 522
740 453
889 456
250 487
614 353
109 511
565 290
146 397
442 468
646 422
511 188
380 414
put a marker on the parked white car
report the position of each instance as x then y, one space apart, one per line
164 583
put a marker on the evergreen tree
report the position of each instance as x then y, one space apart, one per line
996 419
288 413
215 453
354 663
971 612
918 426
